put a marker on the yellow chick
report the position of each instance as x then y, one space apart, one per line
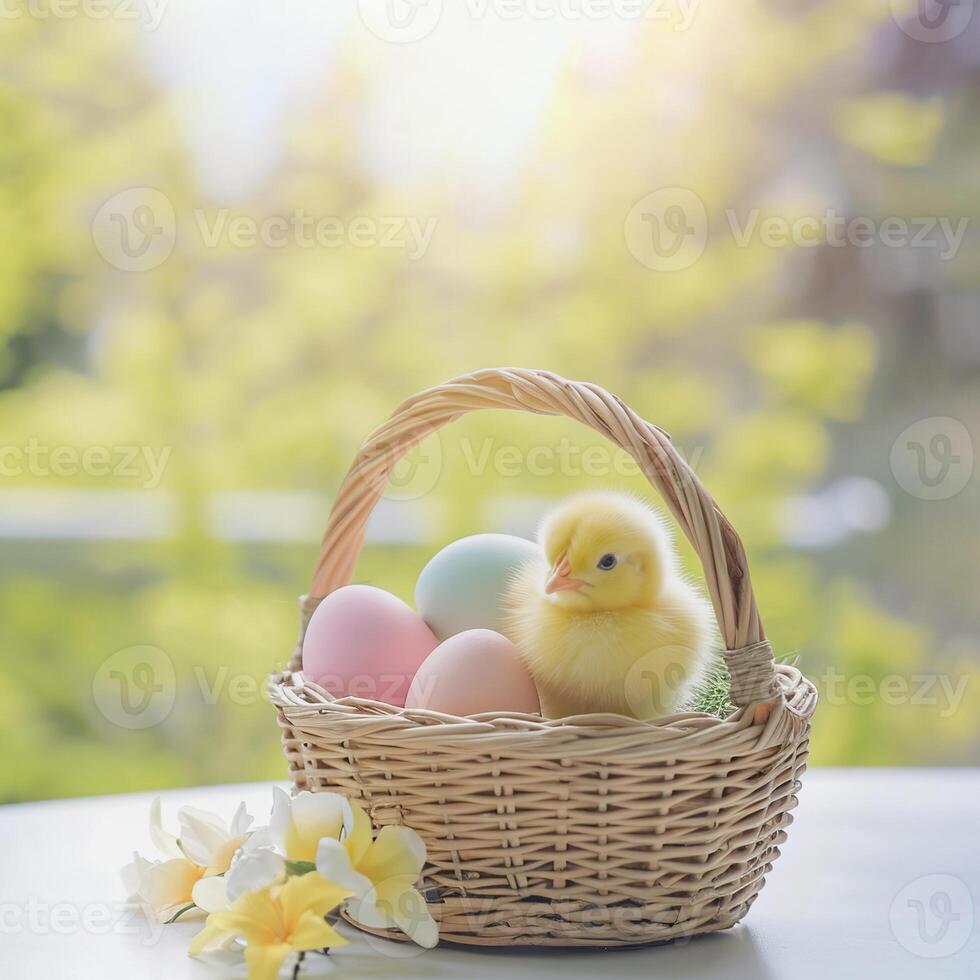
608 623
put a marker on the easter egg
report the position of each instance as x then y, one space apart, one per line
462 586
474 671
365 642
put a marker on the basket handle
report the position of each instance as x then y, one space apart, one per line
748 653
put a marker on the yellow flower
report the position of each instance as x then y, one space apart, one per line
274 922
381 875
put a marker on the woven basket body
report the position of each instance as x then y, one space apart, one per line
597 830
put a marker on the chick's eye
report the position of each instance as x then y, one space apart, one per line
606 562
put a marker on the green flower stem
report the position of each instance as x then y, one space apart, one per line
179 913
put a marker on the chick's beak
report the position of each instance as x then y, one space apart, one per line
560 579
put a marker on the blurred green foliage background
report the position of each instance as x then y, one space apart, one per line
249 374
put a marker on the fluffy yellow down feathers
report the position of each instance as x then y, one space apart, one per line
608 623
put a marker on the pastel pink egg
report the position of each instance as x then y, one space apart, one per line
474 671
365 642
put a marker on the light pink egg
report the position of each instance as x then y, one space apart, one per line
365 642
474 671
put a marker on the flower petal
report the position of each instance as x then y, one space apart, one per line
365 911
312 932
241 821
265 960
280 821
222 858
412 916
254 917
169 883
254 871
209 938
211 893
309 892
357 830
314 816
165 843
334 863
396 851
202 834
260 837
390 889
132 875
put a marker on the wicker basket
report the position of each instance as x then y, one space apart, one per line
596 830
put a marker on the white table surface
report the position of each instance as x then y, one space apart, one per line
855 894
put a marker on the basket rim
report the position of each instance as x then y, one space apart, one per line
307 706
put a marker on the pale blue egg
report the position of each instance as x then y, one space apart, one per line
462 586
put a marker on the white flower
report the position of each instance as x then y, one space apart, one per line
297 825
253 870
166 886
205 848
207 841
